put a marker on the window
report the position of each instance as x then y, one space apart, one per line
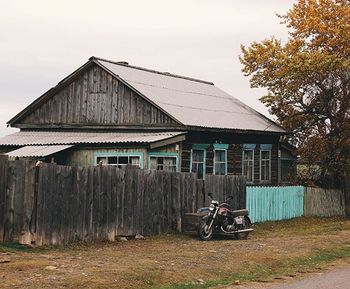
265 165
248 164
162 162
220 159
119 159
198 162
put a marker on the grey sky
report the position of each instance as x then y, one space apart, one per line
43 41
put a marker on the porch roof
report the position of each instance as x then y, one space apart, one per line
37 151
44 138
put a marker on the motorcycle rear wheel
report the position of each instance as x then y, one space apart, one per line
204 233
246 225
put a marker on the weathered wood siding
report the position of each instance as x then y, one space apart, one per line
96 98
17 200
324 202
234 159
84 156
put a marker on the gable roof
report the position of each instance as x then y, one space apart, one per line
189 101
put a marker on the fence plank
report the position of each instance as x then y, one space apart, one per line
3 188
275 203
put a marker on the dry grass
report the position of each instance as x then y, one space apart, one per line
179 261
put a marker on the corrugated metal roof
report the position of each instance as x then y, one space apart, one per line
190 101
24 138
38 151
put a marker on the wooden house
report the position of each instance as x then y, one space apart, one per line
113 113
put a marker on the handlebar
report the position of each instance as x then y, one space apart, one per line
210 195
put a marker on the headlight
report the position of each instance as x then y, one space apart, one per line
211 207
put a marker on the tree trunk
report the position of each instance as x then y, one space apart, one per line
347 195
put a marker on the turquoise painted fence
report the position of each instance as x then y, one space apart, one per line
275 203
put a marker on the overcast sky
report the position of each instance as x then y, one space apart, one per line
41 42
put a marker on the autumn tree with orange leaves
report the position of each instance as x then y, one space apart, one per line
308 81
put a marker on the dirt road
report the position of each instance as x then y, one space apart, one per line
335 279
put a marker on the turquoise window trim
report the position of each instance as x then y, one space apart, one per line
269 180
204 159
116 154
220 146
220 149
248 149
249 146
200 146
265 147
164 154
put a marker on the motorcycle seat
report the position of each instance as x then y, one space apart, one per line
243 212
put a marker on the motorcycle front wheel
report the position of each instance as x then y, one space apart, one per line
204 232
246 225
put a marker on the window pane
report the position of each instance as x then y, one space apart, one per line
200 171
220 168
112 160
123 160
248 155
198 156
263 172
198 168
170 164
248 169
101 159
220 155
265 155
265 166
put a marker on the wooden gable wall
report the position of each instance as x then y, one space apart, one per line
95 98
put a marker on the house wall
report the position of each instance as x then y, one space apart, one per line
85 156
234 152
95 98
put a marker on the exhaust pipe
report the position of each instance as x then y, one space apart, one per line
245 230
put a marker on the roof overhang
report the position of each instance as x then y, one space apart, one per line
55 138
37 151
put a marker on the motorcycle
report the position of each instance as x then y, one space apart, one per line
220 219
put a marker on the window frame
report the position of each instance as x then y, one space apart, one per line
120 154
220 147
197 148
249 147
260 165
164 155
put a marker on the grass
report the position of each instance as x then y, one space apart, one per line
178 261
262 273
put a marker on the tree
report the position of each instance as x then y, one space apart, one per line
308 80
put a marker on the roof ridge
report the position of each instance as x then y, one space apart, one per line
123 63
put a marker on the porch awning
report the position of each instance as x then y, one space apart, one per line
45 138
37 151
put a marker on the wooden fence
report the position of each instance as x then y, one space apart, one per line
275 203
282 203
324 202
58 204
